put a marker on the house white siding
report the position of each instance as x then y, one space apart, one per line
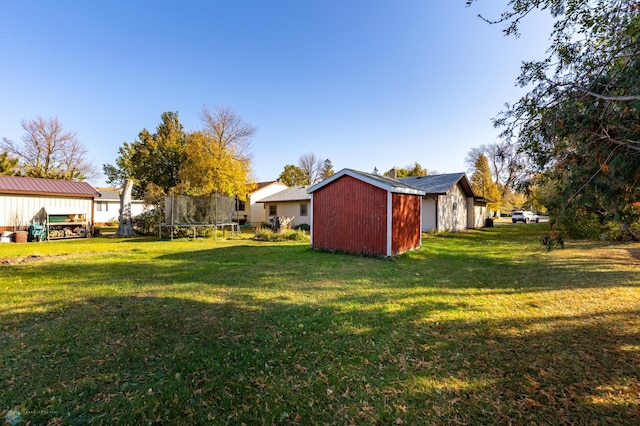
471 219
257 212
453 210
480 215
109 210
20 211
290 209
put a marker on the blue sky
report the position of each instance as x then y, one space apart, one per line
363 83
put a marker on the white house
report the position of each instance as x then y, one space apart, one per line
107 206
255 214
450 203
291 202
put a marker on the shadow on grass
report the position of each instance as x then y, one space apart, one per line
282 334
172 360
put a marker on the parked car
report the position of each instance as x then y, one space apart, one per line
524 216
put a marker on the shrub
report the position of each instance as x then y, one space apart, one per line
263 233
586 227
303 227
552 238
622 231
266 234
147 223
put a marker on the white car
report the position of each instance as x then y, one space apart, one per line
524 216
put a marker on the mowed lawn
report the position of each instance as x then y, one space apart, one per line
481 327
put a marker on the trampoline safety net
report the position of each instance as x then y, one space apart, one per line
198 210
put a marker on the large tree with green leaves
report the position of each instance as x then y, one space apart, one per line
154 158
293 175
579 121
214 159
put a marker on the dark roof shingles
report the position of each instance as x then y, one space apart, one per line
294 193
434 184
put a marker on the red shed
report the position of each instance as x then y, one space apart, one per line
360 212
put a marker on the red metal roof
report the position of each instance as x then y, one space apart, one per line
36 186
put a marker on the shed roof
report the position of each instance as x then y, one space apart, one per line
439 184
294 193
37 186
383 182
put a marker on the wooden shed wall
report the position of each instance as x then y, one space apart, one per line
350 215
406 233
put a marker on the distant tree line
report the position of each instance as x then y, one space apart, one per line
213 159
309 171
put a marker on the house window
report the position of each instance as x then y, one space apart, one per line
103 206
273 211
303 210
240 206
455 206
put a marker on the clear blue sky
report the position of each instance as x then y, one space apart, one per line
364 83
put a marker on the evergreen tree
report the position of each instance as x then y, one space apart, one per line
327 170
8 165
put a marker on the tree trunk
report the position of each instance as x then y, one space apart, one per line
125 228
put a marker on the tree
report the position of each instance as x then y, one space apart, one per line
293 175
578 123
125 223
8 165
326 170
310 170
414 169
153 158
483 184
229 131
311 167
213 167
218 158
214 159
49 151
508 168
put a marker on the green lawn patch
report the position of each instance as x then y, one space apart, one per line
480 327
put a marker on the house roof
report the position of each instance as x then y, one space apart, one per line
36 186
439 184
261 185
112 194
383 182
294 193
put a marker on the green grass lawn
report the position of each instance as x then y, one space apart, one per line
482 327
